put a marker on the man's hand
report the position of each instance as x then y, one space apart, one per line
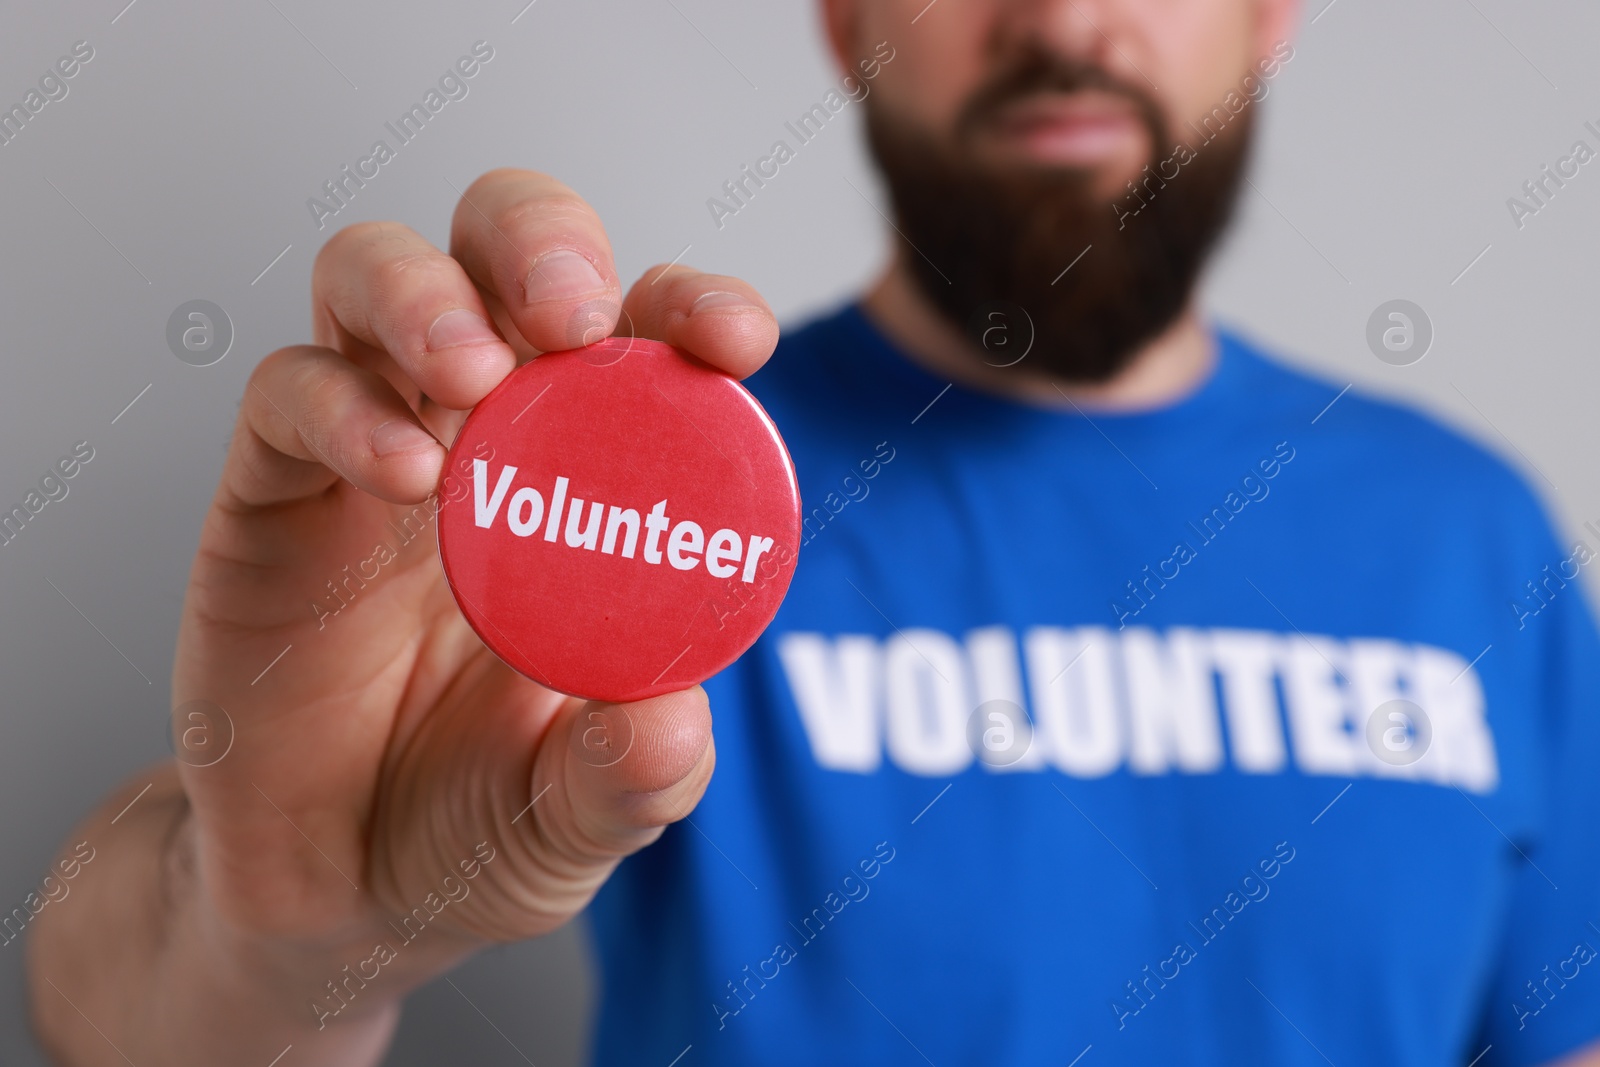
380 749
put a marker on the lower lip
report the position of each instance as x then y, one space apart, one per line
1073 140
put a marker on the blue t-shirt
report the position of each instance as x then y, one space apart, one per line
1256 729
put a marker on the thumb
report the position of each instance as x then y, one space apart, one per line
630 769
606 780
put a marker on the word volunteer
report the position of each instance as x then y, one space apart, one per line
685 544
1187 700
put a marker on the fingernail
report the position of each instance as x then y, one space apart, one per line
561 275
719 299
400 435
458 327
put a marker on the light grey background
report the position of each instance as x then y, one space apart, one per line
184 153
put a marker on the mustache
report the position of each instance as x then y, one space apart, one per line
1038 71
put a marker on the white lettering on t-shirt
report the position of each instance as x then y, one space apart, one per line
1171 708
927 701
996 676
1069 672
1448 689
1246 661
837 685
1324 742
1375 669
1089 702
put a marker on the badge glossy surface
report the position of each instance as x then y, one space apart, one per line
632 520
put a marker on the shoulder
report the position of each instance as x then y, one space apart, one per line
1384 442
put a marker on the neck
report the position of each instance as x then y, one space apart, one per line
1164 370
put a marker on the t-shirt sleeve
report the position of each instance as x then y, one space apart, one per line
1543 1001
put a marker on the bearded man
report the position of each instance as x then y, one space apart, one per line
1137 700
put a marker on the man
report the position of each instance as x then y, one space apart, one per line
1137 700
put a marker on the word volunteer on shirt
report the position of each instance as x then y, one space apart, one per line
1183 700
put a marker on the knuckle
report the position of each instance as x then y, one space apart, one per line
404 275
356 260
347 239
320 388
295 384
272 367
538 219
492 188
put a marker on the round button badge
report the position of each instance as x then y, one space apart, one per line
632 524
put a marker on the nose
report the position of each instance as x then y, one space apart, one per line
1075 29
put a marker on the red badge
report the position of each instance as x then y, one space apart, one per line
630 521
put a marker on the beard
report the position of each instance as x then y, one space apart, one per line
989 244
